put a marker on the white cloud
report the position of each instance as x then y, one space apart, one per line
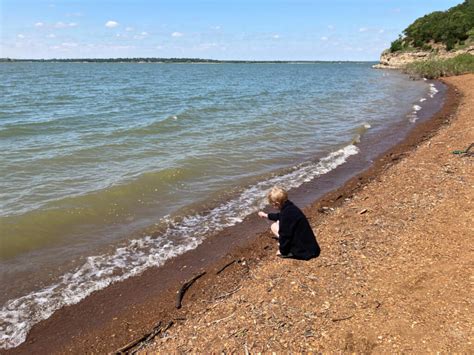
129 29
363 29
111 24
142 35
215 27
205 46
64 25
324 38
20 36
176 34
119 48
276 36
69 44
51 35
331 27
39 24
382 31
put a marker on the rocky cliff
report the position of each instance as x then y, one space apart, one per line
398 60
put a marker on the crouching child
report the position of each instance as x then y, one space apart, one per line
295 236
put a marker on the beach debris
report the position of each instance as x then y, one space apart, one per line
342 318
467 152
363 211
324 209
246 350
226 266
239 333
225 295
222 319
184 288
139 343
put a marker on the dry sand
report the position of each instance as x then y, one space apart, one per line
395 274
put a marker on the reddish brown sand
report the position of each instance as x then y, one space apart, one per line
395 274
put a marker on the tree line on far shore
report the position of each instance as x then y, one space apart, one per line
452 28
116 60
163 60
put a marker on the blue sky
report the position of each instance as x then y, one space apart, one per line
217 29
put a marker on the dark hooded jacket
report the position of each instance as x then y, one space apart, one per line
295 234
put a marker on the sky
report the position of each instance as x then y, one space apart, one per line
216 29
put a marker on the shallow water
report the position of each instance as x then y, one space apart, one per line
107 169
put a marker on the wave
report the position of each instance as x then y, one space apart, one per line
413 115
433 90
180 235
359 132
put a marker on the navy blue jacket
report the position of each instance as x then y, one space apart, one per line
295 233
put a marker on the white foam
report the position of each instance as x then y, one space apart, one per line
367 125
416 108
18 315
422 99
433 90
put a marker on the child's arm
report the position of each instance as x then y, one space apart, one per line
271 216
262 214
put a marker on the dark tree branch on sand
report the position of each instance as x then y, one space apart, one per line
135 345
184 288
226 266
343 318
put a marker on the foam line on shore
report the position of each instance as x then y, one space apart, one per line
19 315
413 115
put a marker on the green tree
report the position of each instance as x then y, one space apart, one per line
449 27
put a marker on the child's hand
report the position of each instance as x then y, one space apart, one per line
262 214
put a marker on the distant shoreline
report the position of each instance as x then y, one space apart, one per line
176 61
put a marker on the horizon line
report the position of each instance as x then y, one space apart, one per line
180 59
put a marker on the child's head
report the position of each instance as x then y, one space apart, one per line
277 196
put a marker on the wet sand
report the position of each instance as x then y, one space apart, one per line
111 318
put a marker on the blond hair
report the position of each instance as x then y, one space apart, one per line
277 196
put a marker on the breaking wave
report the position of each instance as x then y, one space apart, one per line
180 235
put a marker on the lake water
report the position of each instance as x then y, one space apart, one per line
108 169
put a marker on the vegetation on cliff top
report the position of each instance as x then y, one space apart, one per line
452 28
436 68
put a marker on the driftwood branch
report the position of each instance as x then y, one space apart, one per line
130 347
343 318
226 266
184 288
228 294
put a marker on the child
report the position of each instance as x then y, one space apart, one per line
295 236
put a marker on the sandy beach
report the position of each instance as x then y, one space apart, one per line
394 273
